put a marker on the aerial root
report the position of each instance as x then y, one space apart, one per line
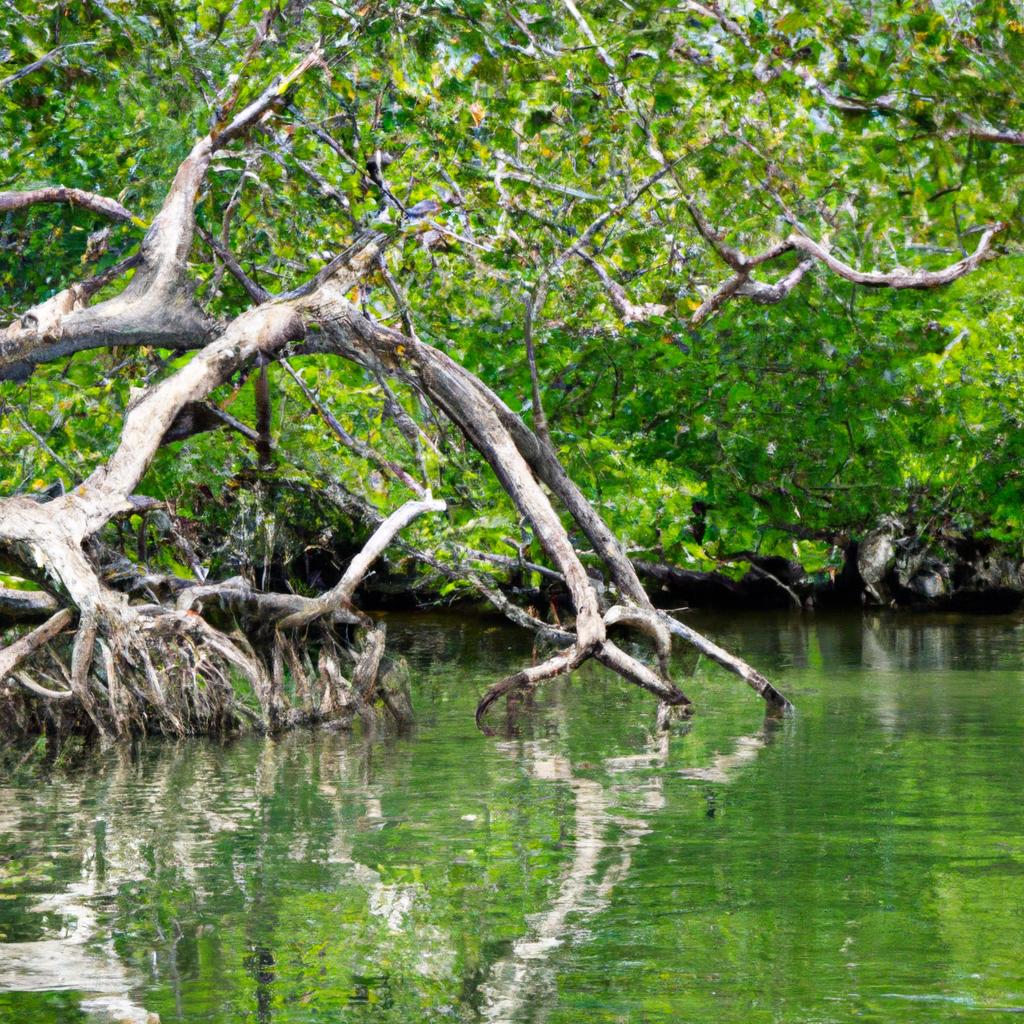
135 669
659 682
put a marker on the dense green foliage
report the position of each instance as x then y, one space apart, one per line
781 428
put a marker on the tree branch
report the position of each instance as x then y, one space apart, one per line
14 654
91 201
340 595
360 448
28 69
627 310
900 277
743 284
157 307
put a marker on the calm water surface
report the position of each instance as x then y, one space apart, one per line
862 861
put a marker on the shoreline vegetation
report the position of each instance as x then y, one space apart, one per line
581 315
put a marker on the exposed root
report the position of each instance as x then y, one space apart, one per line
135 669
14 654
141 668
528 679
568 661
81 662
156 668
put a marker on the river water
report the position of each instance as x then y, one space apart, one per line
860 861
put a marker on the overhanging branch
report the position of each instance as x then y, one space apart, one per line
900 277
92 201
157 306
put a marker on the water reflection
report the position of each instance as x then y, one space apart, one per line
724 765
524 978
875 641
129 824
864 859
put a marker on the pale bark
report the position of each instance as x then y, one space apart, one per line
742 283
135 665
900 277
629 311
14 654
46 58
340 596
515 455
91 201
157 306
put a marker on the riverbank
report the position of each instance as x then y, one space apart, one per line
887 568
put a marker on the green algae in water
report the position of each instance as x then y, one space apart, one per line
863 860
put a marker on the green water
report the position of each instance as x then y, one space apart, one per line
863 860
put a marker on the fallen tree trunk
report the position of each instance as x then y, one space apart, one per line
160 665
515 454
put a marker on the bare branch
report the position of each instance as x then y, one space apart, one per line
40 691
736 259
360 448
274 95
534 302
627 310
528 678
743 284
615 210
238 596
462 570
900 277
766 294
720 656
14 654
527 177
28 69
340 596
602 54
888 103
157 306
719 297
757 291
91 201
200 417
987 133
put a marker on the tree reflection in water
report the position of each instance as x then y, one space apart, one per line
158 855
610 822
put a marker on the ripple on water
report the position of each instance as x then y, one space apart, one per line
862 860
